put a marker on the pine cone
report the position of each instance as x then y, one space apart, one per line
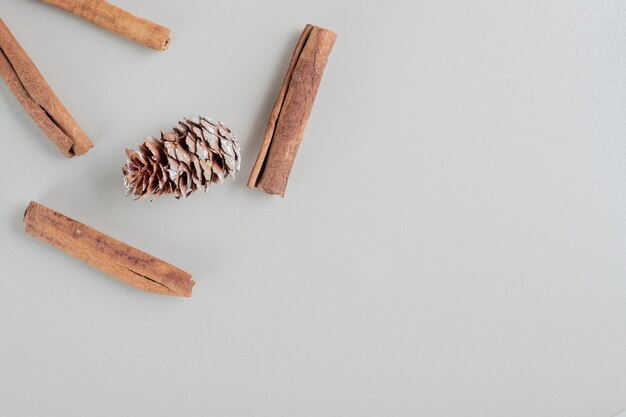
196 153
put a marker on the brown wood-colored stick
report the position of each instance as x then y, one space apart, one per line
117 20
37 98
291 111
121 261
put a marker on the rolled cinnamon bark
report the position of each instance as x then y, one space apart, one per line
117 20
292 110
121 261
37 98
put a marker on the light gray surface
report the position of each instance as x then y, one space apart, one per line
452 242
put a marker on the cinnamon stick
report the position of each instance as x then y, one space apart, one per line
121 261
117 20
37 98
291 111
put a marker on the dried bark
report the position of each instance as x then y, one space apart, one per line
117 20
37 98
292 110
123 262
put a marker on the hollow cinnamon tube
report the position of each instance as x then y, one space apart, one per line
117 20
292 110
37 98
123 262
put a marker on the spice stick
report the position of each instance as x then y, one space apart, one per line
291 111
37 98
121 261
117 20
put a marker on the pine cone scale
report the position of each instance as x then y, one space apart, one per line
196 153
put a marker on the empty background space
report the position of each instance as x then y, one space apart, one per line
452 241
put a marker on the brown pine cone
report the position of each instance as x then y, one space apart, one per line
198 152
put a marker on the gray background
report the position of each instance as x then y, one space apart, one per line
452 241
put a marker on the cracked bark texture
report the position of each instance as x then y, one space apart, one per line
121 261
37 98
292 110
117 20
